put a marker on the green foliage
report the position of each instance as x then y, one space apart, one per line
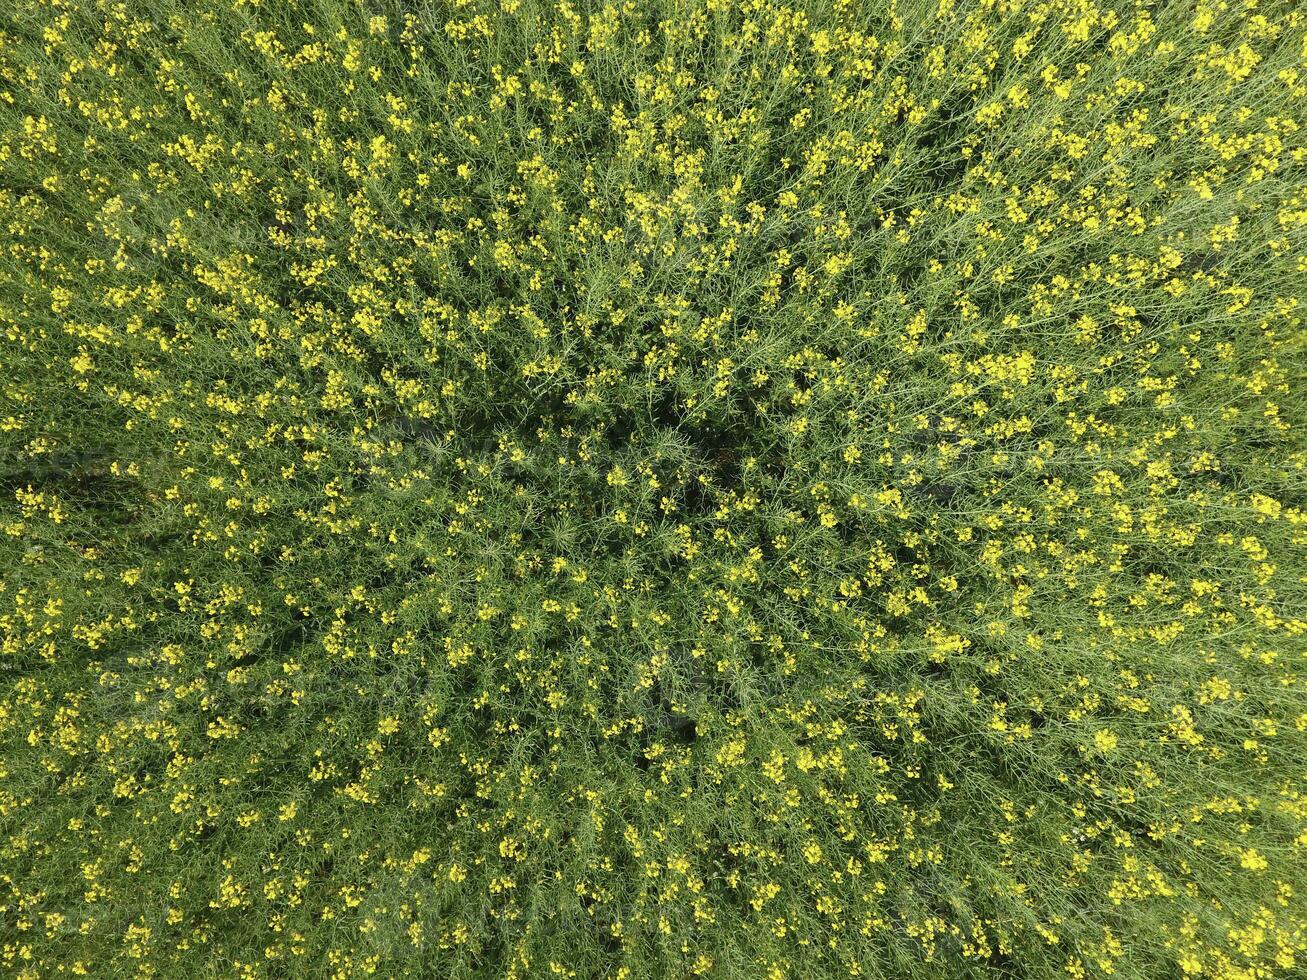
673 489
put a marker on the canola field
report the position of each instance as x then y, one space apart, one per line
747 489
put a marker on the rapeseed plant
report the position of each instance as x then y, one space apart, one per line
724 488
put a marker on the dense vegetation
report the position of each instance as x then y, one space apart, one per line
736 489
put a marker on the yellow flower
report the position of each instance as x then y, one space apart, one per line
1105 741
1252 860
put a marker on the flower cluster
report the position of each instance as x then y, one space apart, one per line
726 488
